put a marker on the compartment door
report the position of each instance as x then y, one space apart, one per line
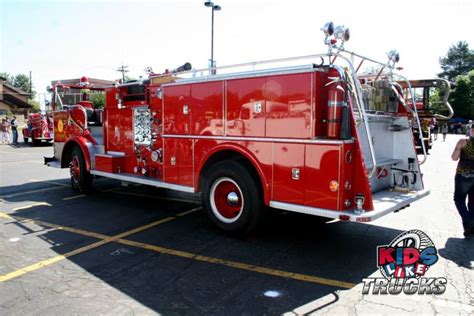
323 166
178 161
177 110
288 173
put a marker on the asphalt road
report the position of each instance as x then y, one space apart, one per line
139 250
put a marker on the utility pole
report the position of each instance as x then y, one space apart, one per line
31 88
123 70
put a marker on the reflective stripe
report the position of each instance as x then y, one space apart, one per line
337 103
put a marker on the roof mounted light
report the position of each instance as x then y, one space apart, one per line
342 33
393 56
328 29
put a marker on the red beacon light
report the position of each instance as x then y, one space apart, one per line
84 81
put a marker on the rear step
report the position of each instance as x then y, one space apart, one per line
384 202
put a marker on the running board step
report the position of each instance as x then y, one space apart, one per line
130 177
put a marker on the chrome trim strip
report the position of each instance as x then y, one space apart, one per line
246 74
142 180
92 153
267 140
398 202
115 153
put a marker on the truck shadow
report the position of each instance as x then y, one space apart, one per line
189 266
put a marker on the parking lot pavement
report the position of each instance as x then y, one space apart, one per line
124 250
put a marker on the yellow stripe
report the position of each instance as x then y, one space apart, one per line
50 261
188 212
47 262
239 265
20 161
168 251
52 182
30 206
28 192
50 225
74 197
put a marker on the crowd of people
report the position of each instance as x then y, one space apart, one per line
7 125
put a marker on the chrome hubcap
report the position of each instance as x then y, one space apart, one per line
232 199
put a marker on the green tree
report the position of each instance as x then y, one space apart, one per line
7 76
35 106
462 98
97 99
22 82
458 61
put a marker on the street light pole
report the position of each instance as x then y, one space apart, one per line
214 7
212 42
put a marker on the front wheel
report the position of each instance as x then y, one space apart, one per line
81 179
232 197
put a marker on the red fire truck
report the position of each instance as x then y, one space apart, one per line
292 137
39 127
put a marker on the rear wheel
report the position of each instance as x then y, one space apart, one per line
81 179
232 197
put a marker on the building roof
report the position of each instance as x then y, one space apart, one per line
94 82
12 95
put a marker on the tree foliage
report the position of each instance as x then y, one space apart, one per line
97 99
458 61
462 98
35 106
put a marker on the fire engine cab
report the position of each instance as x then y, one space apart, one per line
304 135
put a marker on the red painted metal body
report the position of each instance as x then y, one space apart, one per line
275 122
284 127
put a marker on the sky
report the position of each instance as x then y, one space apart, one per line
69 39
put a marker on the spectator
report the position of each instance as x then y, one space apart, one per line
468 128
444 131
435 130
5 131
14 125
464 181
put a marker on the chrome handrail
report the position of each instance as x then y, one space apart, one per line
446 102
415 111
361 106
394 86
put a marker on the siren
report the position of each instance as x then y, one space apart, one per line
185 67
